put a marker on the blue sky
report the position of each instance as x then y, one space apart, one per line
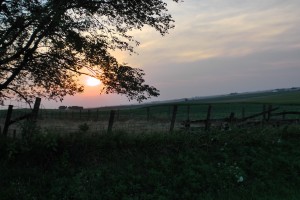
217 47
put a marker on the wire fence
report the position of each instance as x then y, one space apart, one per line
141 119
163 113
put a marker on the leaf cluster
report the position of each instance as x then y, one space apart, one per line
45 45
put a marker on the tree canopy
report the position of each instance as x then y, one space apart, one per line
45 45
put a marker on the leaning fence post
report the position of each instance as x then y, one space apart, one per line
207 122
111 121
7 120
173 118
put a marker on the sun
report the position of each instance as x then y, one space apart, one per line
90 81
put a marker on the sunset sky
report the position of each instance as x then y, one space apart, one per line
217 47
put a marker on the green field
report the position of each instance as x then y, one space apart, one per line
249 103
270 97
157 116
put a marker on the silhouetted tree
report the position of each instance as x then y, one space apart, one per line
46 44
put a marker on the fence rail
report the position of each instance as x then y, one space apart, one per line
161 117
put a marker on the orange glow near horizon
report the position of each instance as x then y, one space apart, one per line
91 81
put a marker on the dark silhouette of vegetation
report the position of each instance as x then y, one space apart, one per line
235 165
46 44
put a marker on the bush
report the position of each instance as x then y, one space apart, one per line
83 127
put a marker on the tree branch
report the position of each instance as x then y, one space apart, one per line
21 95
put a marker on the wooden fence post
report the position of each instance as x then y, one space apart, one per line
264 114
173 118
207 122
283 116
89 114
188 112
243 113
7 120
269 112
148 113
231 117
118 114
36 108
170 113
111 121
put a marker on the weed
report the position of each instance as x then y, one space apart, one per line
83 127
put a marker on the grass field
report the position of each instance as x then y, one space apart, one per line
239 164
157 117
245 163
271 97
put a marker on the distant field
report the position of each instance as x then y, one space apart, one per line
222 106
280 97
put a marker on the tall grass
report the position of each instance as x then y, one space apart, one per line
260 163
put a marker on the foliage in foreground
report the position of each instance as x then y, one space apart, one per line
238 164
45 45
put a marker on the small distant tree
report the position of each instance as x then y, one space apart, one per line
45 45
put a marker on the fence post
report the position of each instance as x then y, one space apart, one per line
207 122
89 114
283 116
36 108
188 112
264 111
7 120
173 118
170 110
148 113
243 113
111 121
269 112
118 114
231 117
